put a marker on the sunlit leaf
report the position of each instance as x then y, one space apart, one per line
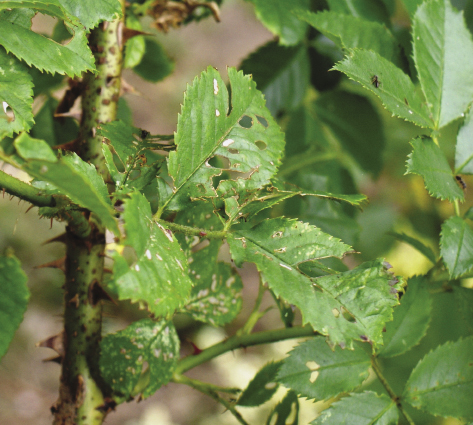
417 244
286 411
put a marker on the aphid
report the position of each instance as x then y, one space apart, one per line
461 182
375 81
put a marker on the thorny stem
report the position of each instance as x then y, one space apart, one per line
211 391
392 394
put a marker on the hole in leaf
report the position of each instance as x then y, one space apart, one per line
233 151
246 122
262 121
8 112
335 312
293 415
261 145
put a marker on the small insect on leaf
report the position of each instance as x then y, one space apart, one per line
461 182
375 81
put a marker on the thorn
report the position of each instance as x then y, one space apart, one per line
59 238
97 293
3 190
51 226
55 342
60 264
130 33
75 300
69 146
53 359
126 87
197 350
29 208
75 115
105 270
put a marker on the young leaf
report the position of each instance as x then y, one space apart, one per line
442 382
281 73
262 387
411 319
417 244
286 411
313 370
248 137
70 175
124 356
464 147
428 161
158 277
16 91
277 16
155 64
444 59
367 408
14 299
456 246
395 89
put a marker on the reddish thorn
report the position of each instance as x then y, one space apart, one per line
202 234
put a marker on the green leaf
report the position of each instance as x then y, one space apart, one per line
464 298
395 89
70 175
286 411
248 138
464 147
371 10
427 160
443 55
367 408
456 246
72 58
411 319
356 124
278 18
313 370
158 276
134 46
412 5
442 382
155 64
348 31
124 356
281 73
16 96
48 7
417 244
91 12
14 299
262 387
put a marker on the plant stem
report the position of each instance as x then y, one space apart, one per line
255 314
395 398
242 341
194 231
24 191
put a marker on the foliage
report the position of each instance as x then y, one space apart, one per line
268 165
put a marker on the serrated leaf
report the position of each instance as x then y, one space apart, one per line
395 89
427 160
411 319
356 124
70 175
313 370
417 244
48 7
72 58
278 18
158 277
281 73
442 382
248 138
464 298
91 12
412 5
349 32
286 411
124 354
367 408
262 387
371 10
14 299
443 55
155 64
464 147
16 96
456 246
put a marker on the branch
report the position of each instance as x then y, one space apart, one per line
24 191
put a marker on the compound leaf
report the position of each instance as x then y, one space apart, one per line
427 160
395 89
456 246
313 370
367 408
14 299
158 276
443 55
124 354
442 382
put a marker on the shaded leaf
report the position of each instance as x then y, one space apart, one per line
139 358
286 411
155 64
14 299
442 382
395 89
367 408
443 54
427 160
313 370
464 147
262 387
464 298
417 244
371 10
456 246
411 319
